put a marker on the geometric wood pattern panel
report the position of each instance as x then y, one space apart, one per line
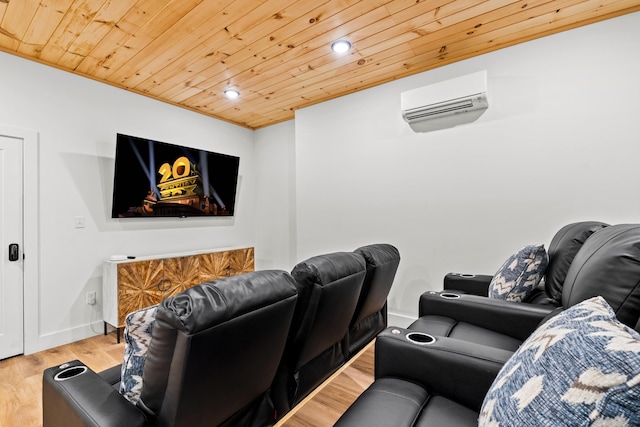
146 283
138 286
241 261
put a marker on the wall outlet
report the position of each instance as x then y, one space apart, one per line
91 297
78 221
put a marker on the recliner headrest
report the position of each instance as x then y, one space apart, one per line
378 254
212 303
562 250
608 264
324 269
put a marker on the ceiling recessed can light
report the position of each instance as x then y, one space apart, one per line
231 93
340 46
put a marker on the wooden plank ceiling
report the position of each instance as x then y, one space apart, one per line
276 53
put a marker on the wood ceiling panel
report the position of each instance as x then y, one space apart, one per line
434 55
15 22
131 23
97 28
482 24
310 90
147 21
77 18
294 52
276 52
405 63
204 61
240 59
264 80
171 43
219 32
373 51
550 23
46 19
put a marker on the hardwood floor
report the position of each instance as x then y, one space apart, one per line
21 383
329 401
21 389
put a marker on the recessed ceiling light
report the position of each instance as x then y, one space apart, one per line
231 93
341 46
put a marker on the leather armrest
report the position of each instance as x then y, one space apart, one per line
84 399
455 369
515 319
474 284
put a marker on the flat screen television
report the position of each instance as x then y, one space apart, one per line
156 179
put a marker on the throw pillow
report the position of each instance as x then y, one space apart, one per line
137 335
520 274
581 367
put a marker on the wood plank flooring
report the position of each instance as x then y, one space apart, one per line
21 383
329 401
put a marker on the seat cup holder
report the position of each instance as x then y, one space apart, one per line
466 275
68 373
449 295
420 338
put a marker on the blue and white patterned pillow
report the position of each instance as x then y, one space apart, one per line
520 274
137 335
582 367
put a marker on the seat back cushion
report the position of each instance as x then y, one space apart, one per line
382 262
581 367
215 349
521 273
328 286
608 265
370 316
563 248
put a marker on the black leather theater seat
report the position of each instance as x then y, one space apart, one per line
213 355
607 265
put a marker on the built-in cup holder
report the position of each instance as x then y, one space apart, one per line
467 276
72 372
420 338
449 295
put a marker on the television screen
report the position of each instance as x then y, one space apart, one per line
158 179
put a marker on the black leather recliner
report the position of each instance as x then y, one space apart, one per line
328 290
440 384
563 248
213 356
607 264
370 317
423 380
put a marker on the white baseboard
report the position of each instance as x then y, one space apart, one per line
58 338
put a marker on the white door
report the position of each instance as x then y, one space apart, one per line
11 236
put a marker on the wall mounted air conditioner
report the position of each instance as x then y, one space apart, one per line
446 104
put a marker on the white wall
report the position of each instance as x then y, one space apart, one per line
77 120
558 144
275 197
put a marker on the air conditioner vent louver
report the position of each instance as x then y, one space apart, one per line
446 104
449 107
